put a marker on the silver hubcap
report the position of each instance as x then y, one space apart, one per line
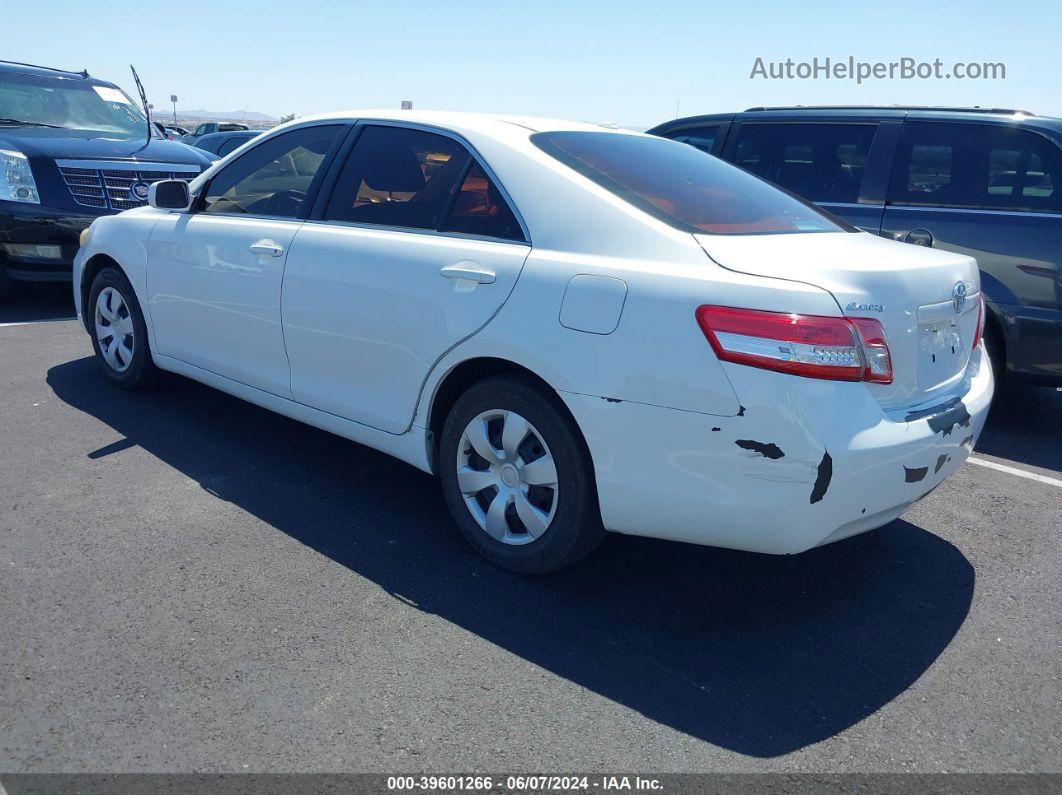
114 329
507 477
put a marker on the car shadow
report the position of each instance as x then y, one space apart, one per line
761 655
31 302
1025 426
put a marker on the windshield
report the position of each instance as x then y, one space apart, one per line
71 103
683 186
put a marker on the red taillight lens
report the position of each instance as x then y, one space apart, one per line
835 348
980 322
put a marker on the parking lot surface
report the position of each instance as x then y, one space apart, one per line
190 583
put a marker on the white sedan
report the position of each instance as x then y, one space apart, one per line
577 329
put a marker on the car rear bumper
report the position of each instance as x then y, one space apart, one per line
808 463
55 228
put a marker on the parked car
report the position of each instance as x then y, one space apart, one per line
978 181
575 328
72 148
210 127
220 144
168 131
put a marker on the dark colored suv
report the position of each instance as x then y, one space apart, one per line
71 148
984 182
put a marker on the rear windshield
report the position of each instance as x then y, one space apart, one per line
685 187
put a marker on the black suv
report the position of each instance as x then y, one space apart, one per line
984 182
71 148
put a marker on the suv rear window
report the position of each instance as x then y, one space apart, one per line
683 186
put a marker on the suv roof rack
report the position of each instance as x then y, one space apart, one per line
962 109
82 73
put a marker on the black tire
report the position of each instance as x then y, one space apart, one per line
5 283
575 529
140 371
996 350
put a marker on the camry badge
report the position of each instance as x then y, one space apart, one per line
958 296
854 307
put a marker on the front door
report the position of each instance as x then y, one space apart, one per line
416 249
214 275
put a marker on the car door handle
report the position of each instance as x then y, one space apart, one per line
469 271
267 248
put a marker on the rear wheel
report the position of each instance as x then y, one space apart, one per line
119 334
517 478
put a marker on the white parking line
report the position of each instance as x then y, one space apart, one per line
1014 471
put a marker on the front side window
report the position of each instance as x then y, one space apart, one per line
976 166
274 177
821 162
71 103
414 179
683 186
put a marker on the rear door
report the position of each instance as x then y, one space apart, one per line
840 165
415 248
991 191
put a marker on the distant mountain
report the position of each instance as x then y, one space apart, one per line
230 115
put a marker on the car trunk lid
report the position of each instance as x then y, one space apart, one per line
927 301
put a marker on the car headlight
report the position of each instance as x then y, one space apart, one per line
16 178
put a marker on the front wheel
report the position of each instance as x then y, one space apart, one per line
119 334
517 478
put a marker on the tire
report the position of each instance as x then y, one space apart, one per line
5 284
996 352
121 369
568 509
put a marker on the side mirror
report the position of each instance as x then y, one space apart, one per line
169 194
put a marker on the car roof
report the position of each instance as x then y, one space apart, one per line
872 112
230 134
493 124
16 67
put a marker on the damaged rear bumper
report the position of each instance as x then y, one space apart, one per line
806 463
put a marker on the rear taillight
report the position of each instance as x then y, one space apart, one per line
980 322
835 348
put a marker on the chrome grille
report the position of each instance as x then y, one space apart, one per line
105 184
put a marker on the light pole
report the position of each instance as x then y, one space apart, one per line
173 99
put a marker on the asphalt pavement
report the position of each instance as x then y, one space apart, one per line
191 583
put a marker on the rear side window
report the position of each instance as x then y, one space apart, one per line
409 178
976 166
480 209
683 186
701 137
821 162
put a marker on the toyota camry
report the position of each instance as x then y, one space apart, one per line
577 329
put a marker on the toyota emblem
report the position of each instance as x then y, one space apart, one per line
958 296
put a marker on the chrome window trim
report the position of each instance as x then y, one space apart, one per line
984 210
416 230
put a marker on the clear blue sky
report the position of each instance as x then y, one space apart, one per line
599 60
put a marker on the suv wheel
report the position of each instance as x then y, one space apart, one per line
517 478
